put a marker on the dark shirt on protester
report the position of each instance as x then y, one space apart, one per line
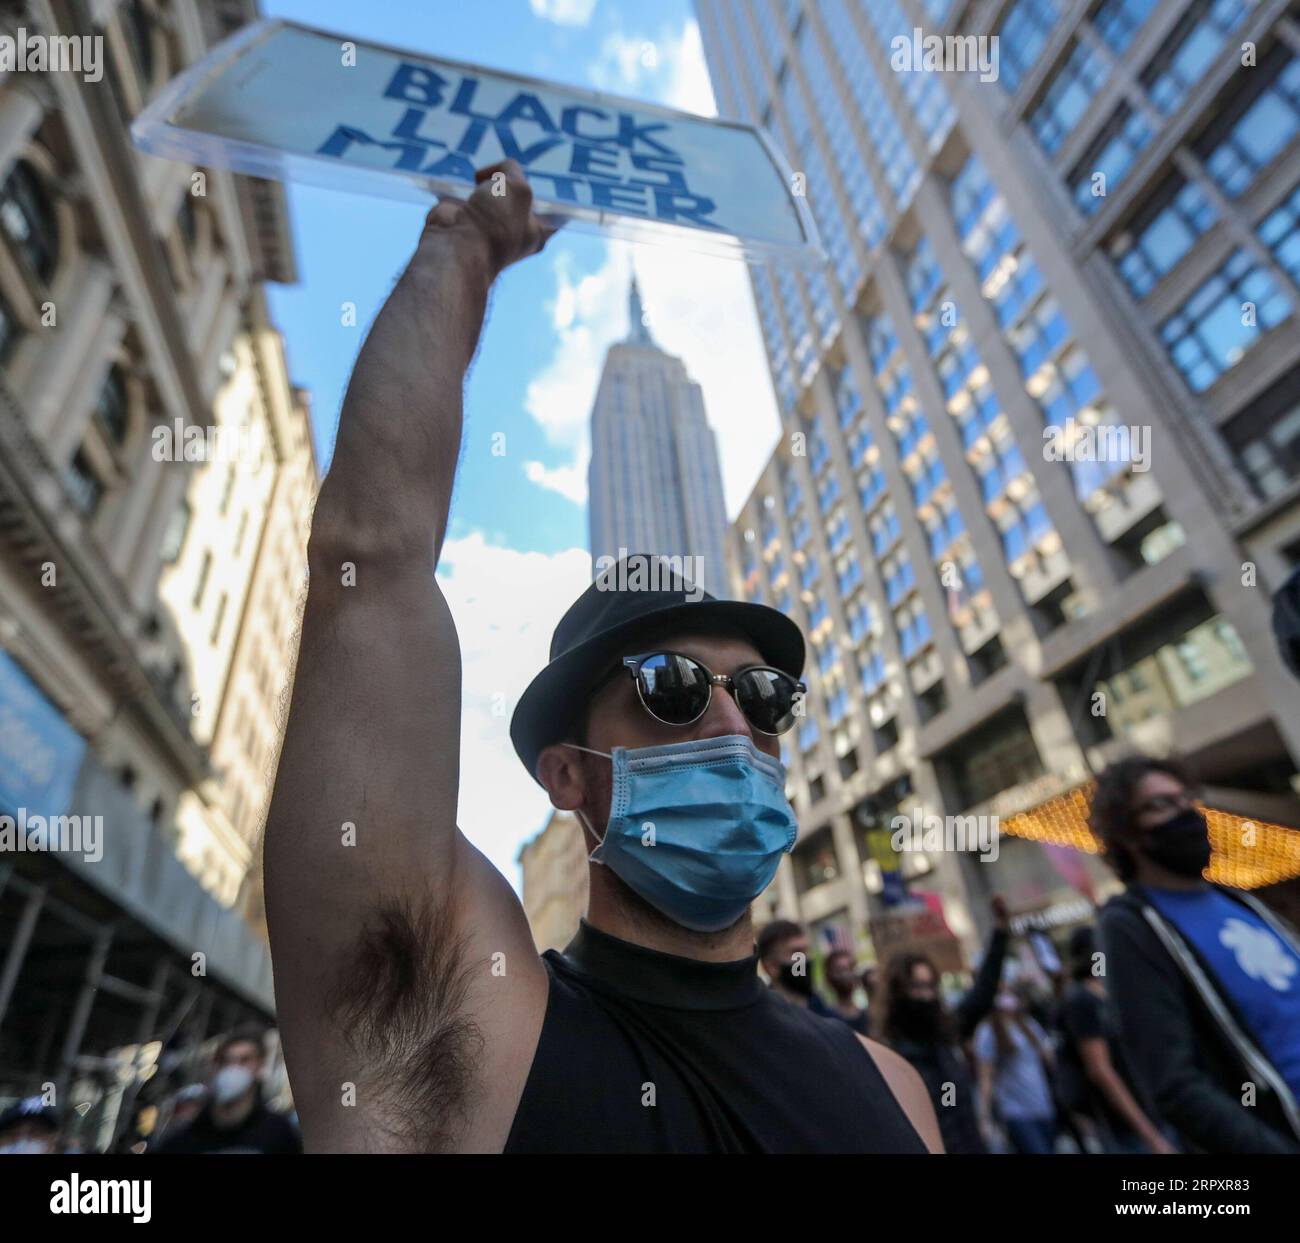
944 1067
263 1131
858 1022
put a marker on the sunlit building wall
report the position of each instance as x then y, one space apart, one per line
554 867
235 556
130 304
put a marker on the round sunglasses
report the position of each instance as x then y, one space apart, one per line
676 690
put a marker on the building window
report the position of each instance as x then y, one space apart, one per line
227 489
112 409
1068 97
872 676
998 469
1001 755
1183 671
1112 154
188 220
809 733
205 568
1117 21
1256 125
895 158
913 628
28 218
923 281
848 401
137 26
1189 51
83 484
1162 234
1266 437
174 538
9 330
924 91
1280 232
218 618
819 864
1023 36
1037 337
1231 640
1211 332
1023 528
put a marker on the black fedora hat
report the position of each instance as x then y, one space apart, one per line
639 592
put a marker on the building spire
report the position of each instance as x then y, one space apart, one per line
637 332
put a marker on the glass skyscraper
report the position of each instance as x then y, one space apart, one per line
1040 469
654 480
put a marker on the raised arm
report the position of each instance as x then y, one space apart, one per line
976 1005
409 991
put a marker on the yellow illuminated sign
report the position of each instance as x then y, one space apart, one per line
1247 853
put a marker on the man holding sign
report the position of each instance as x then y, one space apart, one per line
415 1011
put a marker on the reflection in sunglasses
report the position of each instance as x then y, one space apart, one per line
676 689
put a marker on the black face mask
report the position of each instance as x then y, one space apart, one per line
918 1020
801 983
1181 843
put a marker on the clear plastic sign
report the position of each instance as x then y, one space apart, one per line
289 102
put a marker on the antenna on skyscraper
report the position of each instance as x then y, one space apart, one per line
638 333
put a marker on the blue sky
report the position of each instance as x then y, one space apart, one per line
516 556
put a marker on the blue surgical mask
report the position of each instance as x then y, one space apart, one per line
697 828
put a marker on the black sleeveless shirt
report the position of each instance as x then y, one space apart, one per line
644 1052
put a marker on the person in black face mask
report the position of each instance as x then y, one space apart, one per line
1205 980
783 953
912 1019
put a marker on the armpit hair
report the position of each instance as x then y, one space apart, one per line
400 1003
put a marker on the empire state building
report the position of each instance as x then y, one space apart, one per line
654 480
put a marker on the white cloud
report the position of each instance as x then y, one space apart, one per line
587 315
669 68
688 82
700 307
563 12
505 604
569 481
620 62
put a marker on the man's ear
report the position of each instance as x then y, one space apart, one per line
559 769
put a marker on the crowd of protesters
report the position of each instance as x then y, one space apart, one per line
1172 1026
227 1112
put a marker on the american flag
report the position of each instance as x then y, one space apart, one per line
837 937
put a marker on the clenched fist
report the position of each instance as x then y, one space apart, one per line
499 214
